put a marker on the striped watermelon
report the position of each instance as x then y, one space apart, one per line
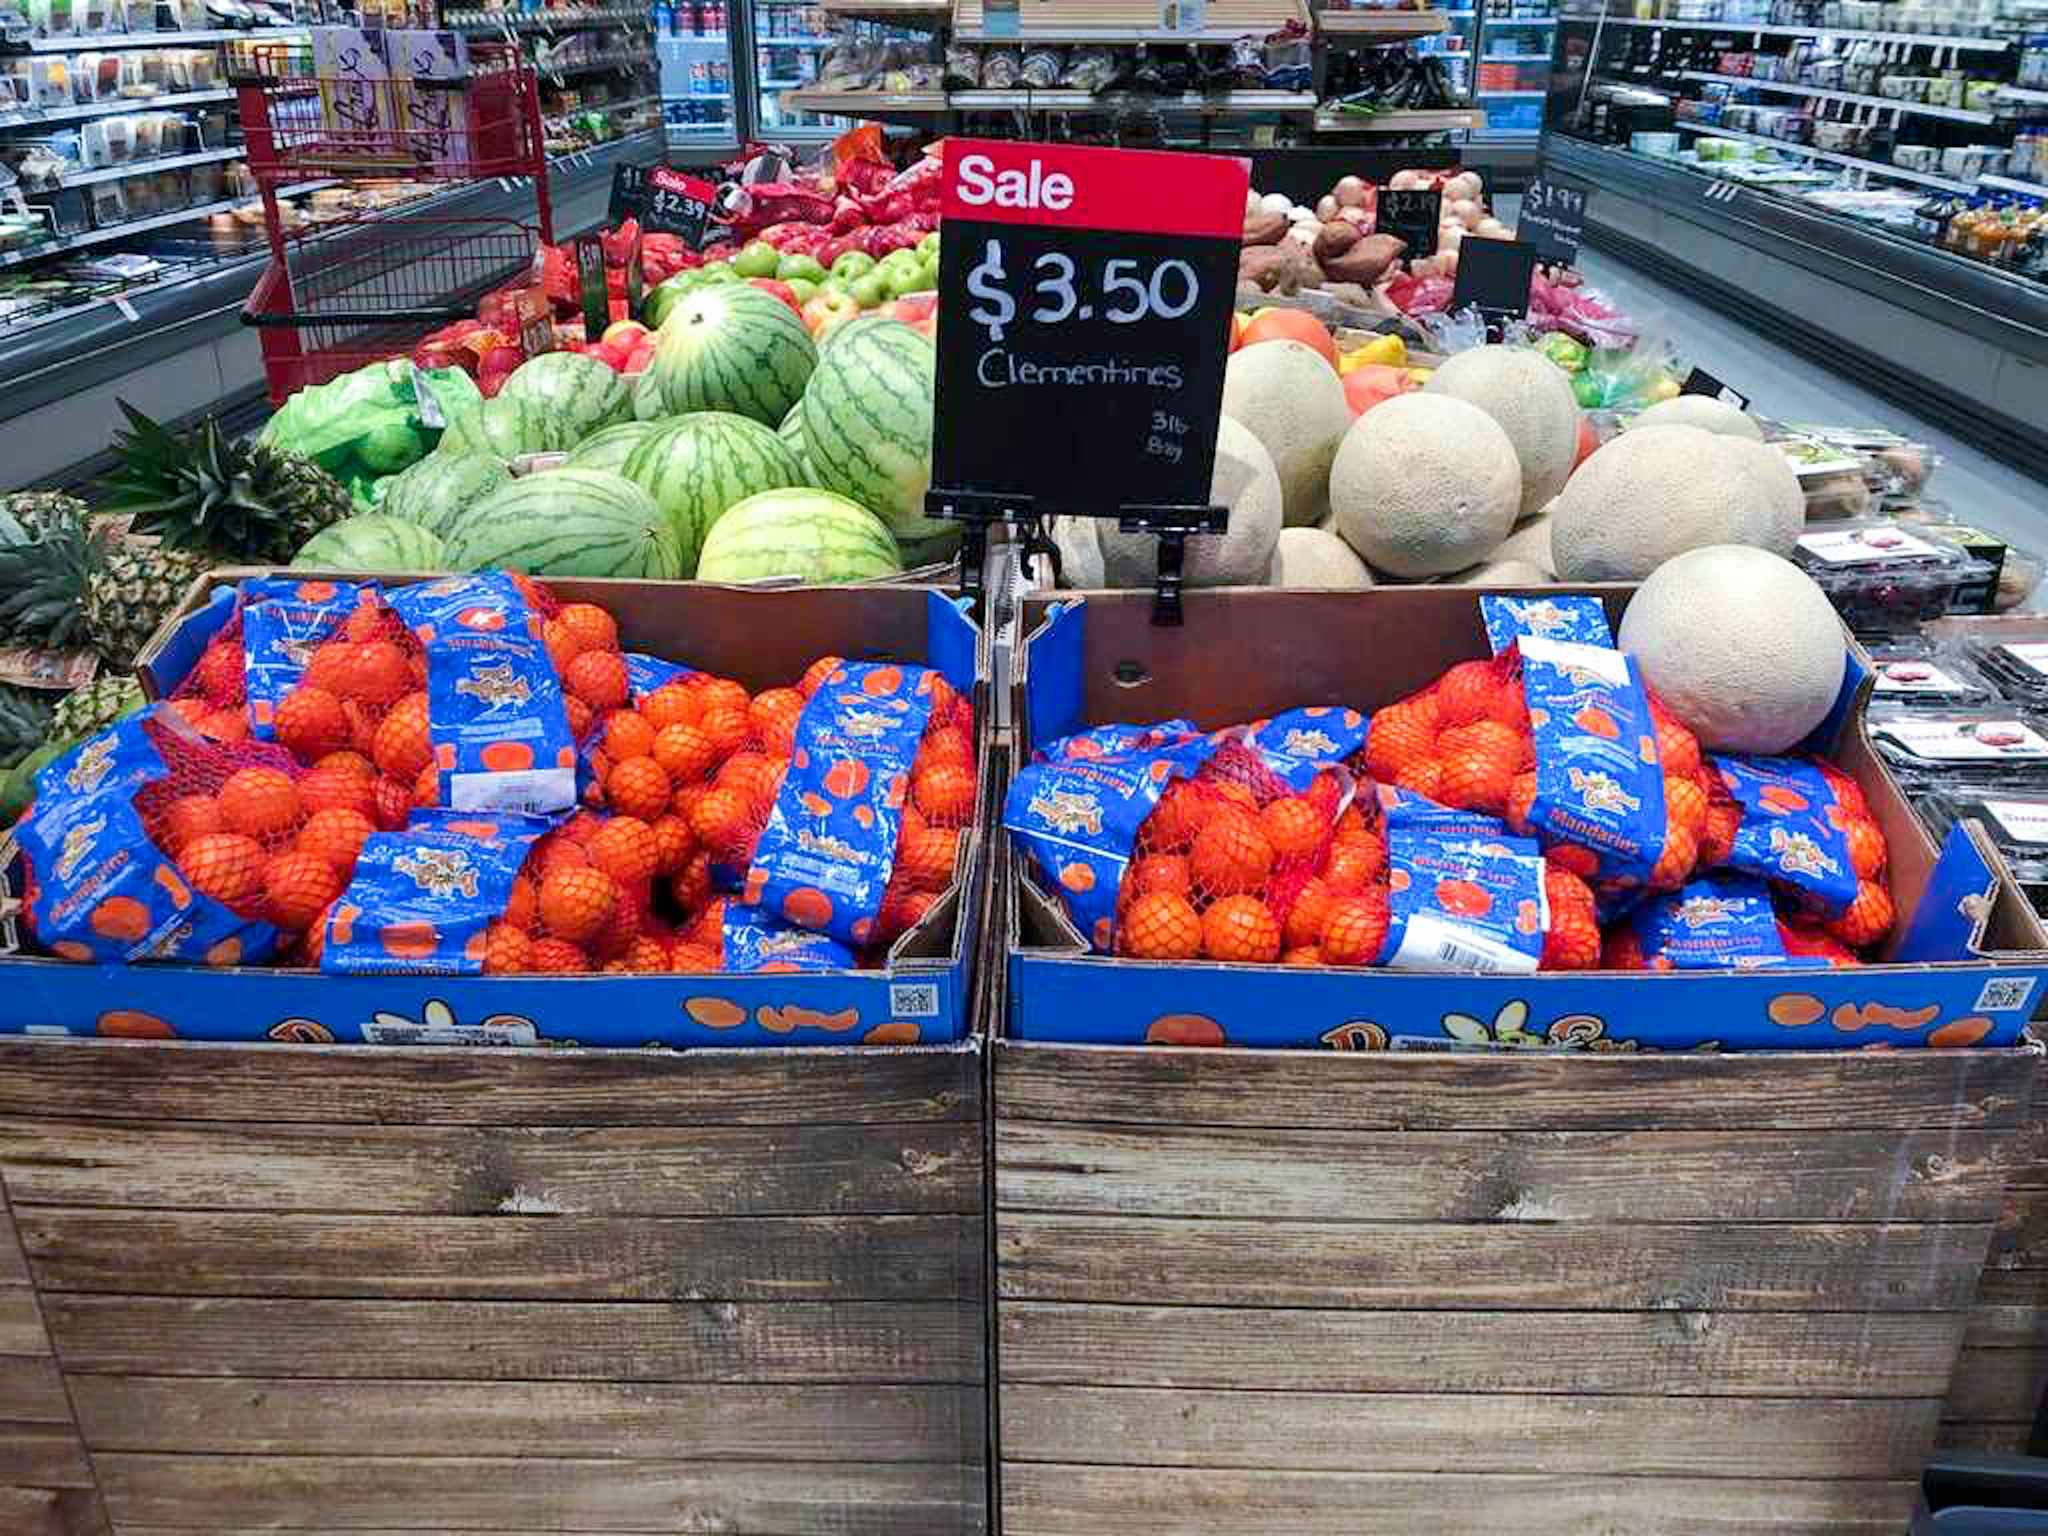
437 488
730 347
647 402
504 428
868 421
374 541
792 432
697 466
610 447
809 534
567 522
582 390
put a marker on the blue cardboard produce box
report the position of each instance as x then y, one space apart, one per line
1964 966
764 639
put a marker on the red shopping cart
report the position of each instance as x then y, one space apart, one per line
367 285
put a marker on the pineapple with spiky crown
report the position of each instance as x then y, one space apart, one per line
198 500
24 722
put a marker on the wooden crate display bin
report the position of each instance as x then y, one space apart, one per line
1365 1292
1361 1293
437 1289
2003 1373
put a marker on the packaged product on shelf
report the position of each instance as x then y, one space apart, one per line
1912 672
2015 821
1885 578
1925 748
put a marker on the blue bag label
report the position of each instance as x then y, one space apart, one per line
1079 821
1116 741
1598 779
1580 620
422 899
1710 924
1321 734
1464 893
824 860
495 712
755 941
103 890
1791 829
283 623
646 674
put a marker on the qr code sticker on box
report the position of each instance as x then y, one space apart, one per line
914 999
2005 994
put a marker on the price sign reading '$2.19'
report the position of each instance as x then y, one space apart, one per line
1085 299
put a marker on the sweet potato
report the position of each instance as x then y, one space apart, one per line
1264 228
1366 260
1334 239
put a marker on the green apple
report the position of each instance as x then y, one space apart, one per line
804 289
852 264
800 264
898 259
929 245
901 280
717 272
870 289
757 258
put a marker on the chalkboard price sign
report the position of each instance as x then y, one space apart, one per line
1701 382
1084 298
1553 219
1413 216
1494 276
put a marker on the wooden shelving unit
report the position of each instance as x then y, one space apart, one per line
1382 23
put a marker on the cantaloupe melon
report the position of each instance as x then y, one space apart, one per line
1293 402
1739 644
1531 399
1246 482
1702 411
1313 557
1425 484
1079 541
1657 492
1503 573
1773 475
1529 545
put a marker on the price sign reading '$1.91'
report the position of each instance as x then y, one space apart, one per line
1085 299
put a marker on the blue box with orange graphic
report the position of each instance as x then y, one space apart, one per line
763 639
1964 966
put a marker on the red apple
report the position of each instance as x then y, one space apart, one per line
827 311
912 309
780 290
628 329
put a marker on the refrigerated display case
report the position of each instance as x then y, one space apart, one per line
1514 48
1863 178
700 81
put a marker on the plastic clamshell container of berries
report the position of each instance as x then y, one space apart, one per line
1913 673
1888 578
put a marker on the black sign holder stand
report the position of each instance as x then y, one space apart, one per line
977 512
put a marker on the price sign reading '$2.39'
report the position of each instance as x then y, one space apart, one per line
1085 299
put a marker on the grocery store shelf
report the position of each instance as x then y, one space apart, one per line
1514 58
864 103
1128 21
780 85
1521 21
1381 23
1833 157
1526 95
35 119
793 42
149 167
541 21
2013 184
888 10
88 237
2022 93
1216 104
1767 29
100 42
1432 120
593 66
1854 98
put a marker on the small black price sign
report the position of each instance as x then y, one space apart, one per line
669 201
1701 382
1494 276
1411 214
590 286
1085 298
1553 219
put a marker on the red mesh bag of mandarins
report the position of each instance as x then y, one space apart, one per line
1244 859
151 842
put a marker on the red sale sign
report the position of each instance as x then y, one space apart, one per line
1144 191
